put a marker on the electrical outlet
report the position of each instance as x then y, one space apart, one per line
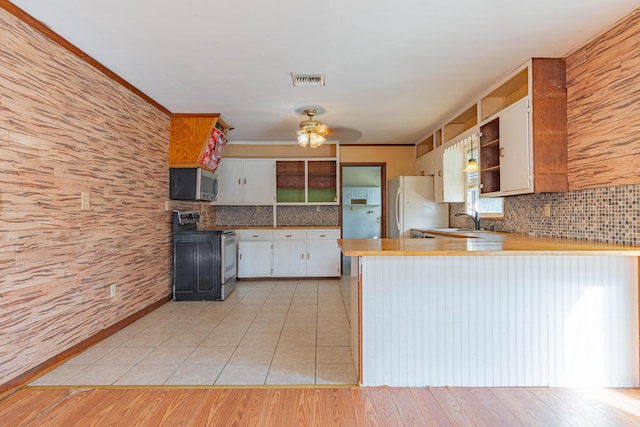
166 205
547 209
317 208
112 291
85 201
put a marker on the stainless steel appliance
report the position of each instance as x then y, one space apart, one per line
204 261
193 184
228 250
410 205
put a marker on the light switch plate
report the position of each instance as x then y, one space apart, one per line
85 203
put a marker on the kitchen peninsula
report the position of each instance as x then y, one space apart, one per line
494 309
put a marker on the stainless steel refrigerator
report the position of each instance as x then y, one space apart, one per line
410 205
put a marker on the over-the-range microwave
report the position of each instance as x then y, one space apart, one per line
193 184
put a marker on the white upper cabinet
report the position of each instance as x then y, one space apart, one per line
246 181
425 165
230 176
449 161
523 142
438 177
515 148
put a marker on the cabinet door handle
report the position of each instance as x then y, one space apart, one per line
239 181
439 173
239 256
323 235
255 235
287 235
302 255
501 151
308 256
245 180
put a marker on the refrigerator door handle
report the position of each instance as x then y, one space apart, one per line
398 210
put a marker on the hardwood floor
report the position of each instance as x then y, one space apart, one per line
365 406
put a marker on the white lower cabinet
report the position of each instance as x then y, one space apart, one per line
289 253
255 253
323 258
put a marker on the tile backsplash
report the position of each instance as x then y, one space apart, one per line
318 215
243 216
608 214
263 216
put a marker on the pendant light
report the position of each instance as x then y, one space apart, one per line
472 163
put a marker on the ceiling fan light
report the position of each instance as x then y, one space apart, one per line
311 131
322 130
303 138
316 140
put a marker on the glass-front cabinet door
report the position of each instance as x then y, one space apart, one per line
290 180
321 181
306 181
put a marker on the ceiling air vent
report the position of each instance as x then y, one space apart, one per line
307 79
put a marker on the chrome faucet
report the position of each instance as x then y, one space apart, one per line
475 217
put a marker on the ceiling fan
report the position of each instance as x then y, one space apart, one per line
312 132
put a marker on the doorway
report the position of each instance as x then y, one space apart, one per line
363 196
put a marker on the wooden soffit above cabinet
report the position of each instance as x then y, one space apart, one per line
189 136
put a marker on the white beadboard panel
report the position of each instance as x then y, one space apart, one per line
559 321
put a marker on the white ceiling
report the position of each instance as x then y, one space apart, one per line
394 70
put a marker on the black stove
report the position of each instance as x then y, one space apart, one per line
204 261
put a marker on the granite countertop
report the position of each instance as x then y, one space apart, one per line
482 243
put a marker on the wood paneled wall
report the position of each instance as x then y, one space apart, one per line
603 88
66 128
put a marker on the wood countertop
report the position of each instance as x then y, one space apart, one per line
482 244
297 227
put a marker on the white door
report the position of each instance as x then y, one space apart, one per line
230 177
289 258
254 258
259 181
323 258
515 160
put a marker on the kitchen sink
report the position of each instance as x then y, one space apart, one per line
459 232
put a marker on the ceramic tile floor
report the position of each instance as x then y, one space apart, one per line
266 332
